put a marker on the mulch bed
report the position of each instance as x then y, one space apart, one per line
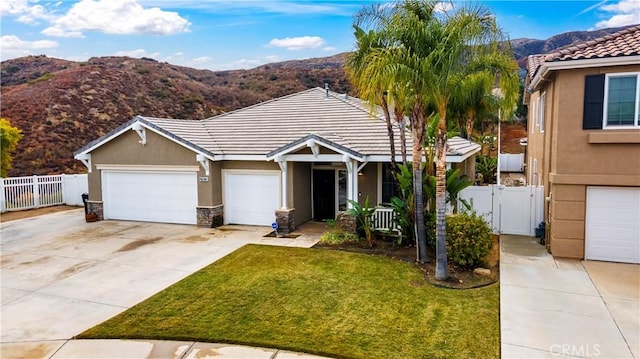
459 277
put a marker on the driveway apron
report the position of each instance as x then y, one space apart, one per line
552 308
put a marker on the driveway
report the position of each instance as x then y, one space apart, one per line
551 307
61 276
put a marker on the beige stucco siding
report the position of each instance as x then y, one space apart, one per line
575 155
158 151
567 221
368 184
570 158
302 191
467 167
250 165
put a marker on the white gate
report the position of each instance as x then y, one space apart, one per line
509 210
512 162
19 193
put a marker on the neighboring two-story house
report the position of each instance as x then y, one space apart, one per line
584 146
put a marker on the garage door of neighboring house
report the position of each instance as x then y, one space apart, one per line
612 229
151 196
251 197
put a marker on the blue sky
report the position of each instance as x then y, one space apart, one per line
222 35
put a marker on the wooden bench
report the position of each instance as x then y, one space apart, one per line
385 225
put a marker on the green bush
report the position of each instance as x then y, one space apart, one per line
338 237
469 239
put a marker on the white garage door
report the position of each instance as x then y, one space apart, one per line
168 197
612 224
251 197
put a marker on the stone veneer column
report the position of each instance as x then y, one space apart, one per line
347 222
285 218
97 208
210 216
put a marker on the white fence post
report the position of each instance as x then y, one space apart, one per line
2 196
36 192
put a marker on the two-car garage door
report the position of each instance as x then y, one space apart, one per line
250 197
613 224
152 196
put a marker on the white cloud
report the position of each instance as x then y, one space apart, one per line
12 46
625 12
137 53
297 43
329 48
272 58
25 10
200 61
58 32
116 17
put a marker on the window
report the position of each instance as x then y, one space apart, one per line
389 187
621 100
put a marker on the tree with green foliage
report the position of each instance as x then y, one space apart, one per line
9 136
430 53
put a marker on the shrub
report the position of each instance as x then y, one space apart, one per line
364 215
487 166
338 237
469 239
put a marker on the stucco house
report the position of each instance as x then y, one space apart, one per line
294 158
584 146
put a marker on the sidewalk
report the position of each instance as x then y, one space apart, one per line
107 349
552 308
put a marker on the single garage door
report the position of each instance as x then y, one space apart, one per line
251 197
612 226
167 197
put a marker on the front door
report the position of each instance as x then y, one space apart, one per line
324 194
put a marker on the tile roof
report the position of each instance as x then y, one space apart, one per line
622 43
280 124
265 127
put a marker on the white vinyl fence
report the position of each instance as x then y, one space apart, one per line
19 193
512 162
509 210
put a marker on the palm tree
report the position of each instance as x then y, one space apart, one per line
370 89
469 43
428 53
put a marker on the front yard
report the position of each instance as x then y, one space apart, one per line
319 301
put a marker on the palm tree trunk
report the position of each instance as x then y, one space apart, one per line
403 138
417 131
441 192
392 142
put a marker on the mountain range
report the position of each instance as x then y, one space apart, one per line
60 105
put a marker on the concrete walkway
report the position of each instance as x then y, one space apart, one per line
552 308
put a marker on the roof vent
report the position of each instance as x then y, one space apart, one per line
326 88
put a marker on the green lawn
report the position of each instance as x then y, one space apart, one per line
318 301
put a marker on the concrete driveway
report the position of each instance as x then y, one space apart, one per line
552 307
61 276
